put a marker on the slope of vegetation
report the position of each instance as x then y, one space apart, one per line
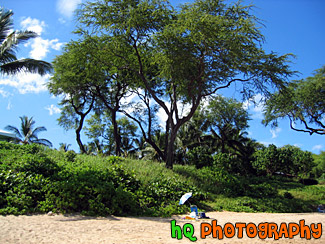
37 179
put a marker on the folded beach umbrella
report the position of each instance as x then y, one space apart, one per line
185 197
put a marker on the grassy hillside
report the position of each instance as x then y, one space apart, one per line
37 179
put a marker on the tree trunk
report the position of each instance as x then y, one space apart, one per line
116 134
78 138
170 150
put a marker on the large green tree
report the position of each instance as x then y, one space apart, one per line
303 102
86 74
9 41
28 133
219 127
183 55
71 69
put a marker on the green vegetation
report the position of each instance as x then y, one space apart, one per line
169 60
34 178
27 133
303 102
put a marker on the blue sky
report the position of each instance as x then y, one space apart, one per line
291 26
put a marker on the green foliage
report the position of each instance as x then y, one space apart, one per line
167 56
160 194
212 179
100 127
33 182
199 156
319 169
286 160
70 156
37 179
28 134
303 102
287 195
226 161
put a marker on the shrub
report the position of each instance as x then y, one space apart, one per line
287 195
308 182
70 156
200 157
287 160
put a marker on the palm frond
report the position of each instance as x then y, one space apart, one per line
14 130
15 38
5 23
9 40
38 129
29 65
44 142
7 56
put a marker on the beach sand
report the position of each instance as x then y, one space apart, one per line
58 229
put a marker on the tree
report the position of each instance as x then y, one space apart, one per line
267 160
286 160
9 40
319 169
84 71
73 114
27 133
101 131
301 101
72 70
181 56
227 122
219 128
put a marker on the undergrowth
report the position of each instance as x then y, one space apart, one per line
35 179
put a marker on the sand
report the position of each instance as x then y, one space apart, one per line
80 229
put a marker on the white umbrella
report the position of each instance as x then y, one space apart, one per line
185 197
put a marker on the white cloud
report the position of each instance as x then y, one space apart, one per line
40 47
62 20
4 93
298 145
317 147
9 106
53 109
162 117
26 82
67 7
275 132
33 25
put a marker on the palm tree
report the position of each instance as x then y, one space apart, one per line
27 133
9 40
64 147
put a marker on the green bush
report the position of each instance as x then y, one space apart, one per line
287 195
70 156
212 179
200 157
33 179
36 179
287 160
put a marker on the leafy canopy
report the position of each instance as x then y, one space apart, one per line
302 101
180 56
